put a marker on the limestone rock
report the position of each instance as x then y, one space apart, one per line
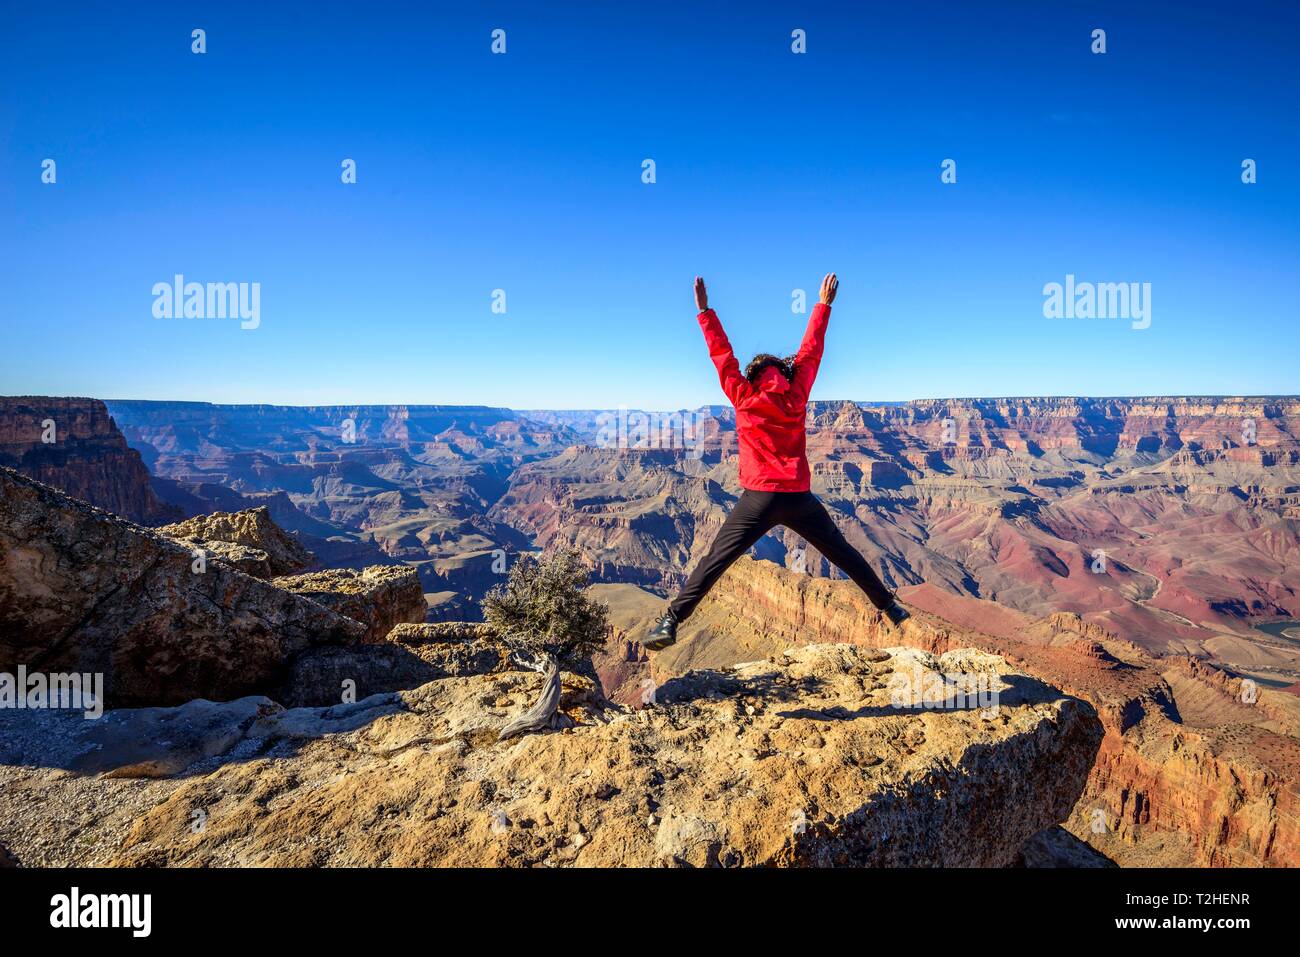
250 540
250 561
379 597
801 760
83 590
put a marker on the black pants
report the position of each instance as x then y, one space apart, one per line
754 515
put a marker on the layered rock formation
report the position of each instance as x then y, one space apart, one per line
381 597
1150 424
73 445
1169 521
414 481
248 539
800 760
82 590
1195 768
642 516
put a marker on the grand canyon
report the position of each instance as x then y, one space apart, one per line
1134 560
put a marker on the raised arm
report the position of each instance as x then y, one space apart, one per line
809 357
733 383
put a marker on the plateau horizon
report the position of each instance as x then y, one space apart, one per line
617 407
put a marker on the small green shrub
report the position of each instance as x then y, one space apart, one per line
542 610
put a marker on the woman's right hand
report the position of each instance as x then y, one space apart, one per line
701 294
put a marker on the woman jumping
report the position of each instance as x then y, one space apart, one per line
770 400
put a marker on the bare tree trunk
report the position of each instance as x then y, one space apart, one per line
545 712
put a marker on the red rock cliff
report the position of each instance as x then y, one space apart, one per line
74 445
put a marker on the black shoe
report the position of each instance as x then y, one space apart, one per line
663 634
896 613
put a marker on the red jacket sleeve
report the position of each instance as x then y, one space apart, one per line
809 357
735 385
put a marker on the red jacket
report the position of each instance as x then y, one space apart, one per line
770 414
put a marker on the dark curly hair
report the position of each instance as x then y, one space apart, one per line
763 360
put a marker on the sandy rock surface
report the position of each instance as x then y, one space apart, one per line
802 759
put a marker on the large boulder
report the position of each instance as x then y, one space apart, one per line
249 540
810 758
380 597
82 590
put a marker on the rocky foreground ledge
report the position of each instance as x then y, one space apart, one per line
805 759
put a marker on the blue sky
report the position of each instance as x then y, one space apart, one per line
522 172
